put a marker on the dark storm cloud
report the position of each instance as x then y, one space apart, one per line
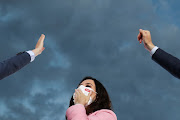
88 37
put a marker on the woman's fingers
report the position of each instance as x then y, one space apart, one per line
77 92
76 97
81 98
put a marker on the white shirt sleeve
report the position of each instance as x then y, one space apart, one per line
31 54
153 50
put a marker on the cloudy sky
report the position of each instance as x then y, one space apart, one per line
95 38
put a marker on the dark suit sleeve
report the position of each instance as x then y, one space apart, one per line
167 61
13 64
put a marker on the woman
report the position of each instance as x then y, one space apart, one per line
95 106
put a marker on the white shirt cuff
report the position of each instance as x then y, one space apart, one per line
153 50
32 55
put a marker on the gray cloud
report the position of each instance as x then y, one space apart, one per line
89 37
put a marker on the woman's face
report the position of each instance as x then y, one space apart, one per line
90 83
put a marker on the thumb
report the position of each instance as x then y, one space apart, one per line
43 48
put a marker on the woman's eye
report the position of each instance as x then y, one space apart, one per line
88 86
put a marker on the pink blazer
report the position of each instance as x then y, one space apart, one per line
78 112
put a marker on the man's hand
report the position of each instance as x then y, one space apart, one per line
145 37
39 46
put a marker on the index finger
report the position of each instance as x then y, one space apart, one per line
77 93
80 92
139 36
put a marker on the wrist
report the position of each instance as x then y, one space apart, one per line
150 47
80 103
36 51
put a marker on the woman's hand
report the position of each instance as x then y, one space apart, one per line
80 98
39 46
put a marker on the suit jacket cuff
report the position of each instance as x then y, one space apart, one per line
32 55
153 50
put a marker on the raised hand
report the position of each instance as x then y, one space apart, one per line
145 37
39 46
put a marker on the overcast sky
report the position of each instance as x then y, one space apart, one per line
95 38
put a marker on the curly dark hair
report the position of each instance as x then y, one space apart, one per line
102 100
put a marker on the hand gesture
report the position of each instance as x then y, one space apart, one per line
145 37
81 98
39 46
